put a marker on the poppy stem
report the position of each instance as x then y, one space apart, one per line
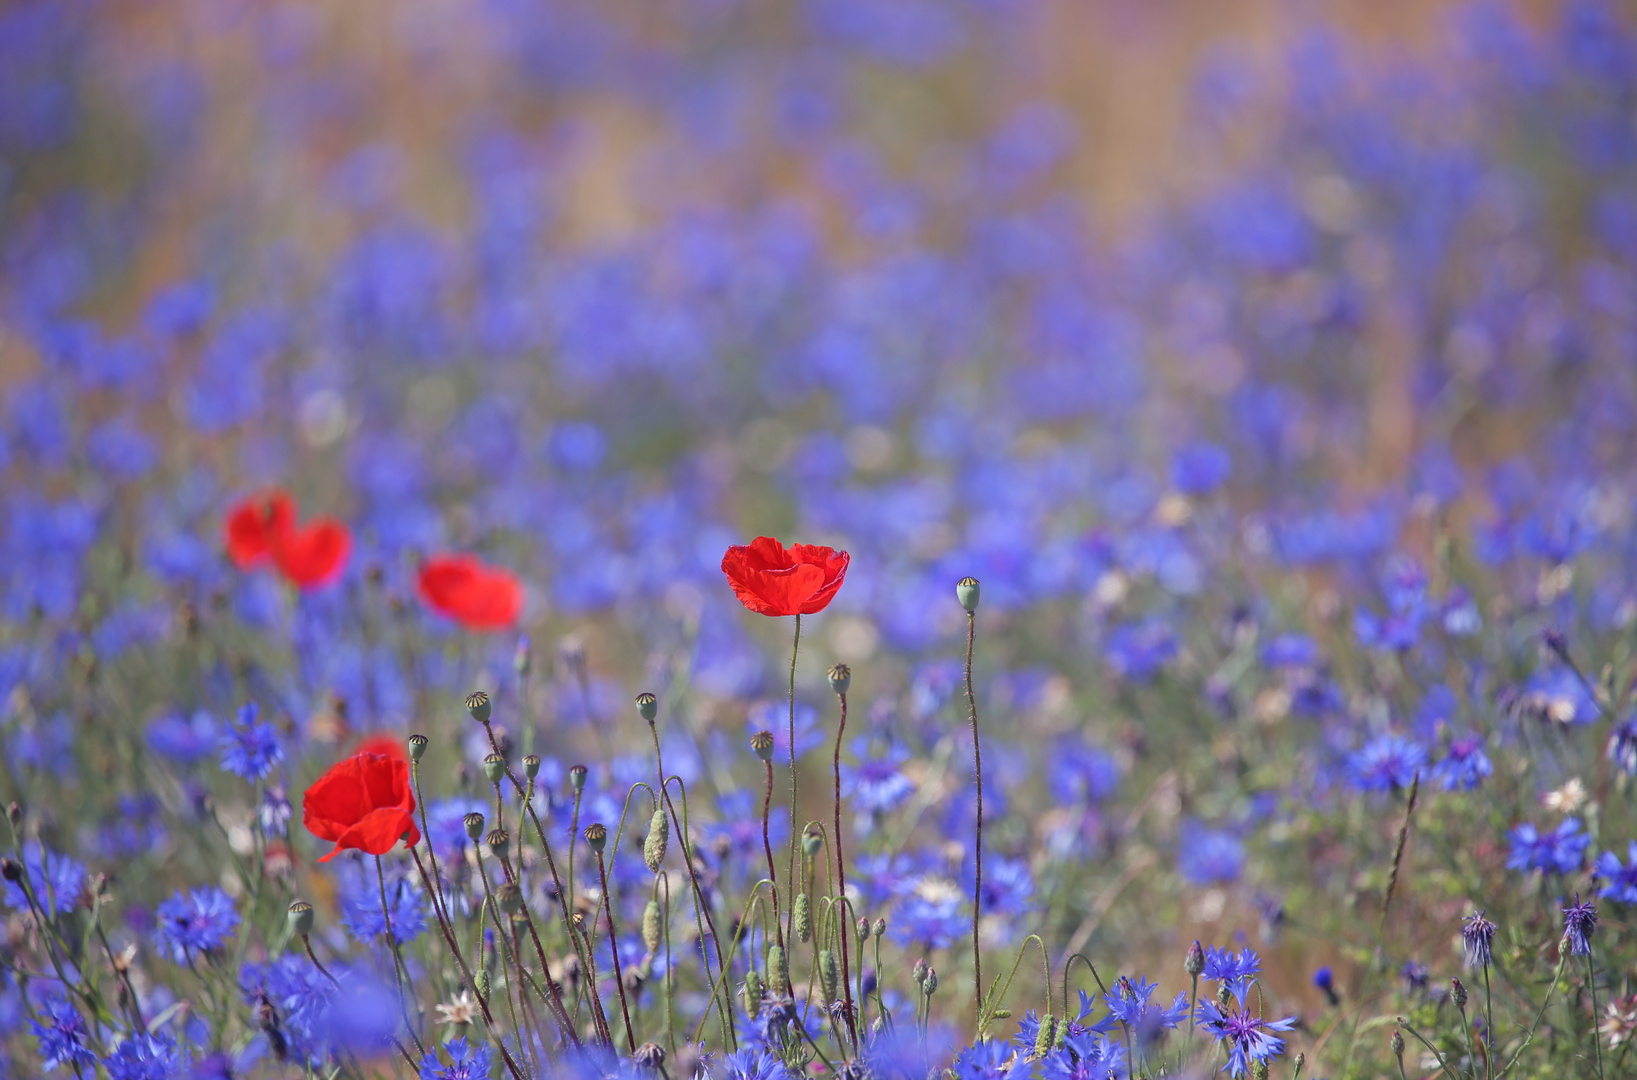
400 972
841 882
614 950
795 647
772 876
977 857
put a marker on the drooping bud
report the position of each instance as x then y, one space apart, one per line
762 743
1194 962
417 747
966 591
801 917
484 983
1045 1036
647 706
576 777
474 824
812 840
300 918
651 926
659 838
829 974
499 842
510 896
778 968
478 705
494 767
1457 994
531 765
754 992
596 834
841 678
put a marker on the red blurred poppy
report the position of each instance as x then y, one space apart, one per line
313 555
478 597
771 579
364 803
252 525
383 744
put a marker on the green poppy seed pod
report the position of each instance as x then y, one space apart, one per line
812 841
576 777
478 705
301 918
1194 962
531 765
1045 1036
523 658
966 591
647 707
651 926
1259 1069
509 896
755 991
762 743
659 838
1397 1043
880 928
862 930
841 678
474 824
596 835
931 984
1457 994
499 842
778 967
494 767
829 974
801 917
417 747
484 983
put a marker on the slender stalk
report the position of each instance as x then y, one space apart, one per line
795 840
1591 984
400 971
977 859
841 872
614 949
772 876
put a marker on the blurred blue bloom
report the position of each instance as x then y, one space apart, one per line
250 748
466 1062
876 785
1464 765
1385 763
56 880
1560 851
1621 878
987 1060
1137 651
185 741
145 1056
195 922
753 1063
361 906
62 1036
1200 468
1209 856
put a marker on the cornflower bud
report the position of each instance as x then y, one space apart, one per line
1457 994
1194 962
647 707
417 747
483 983
576 776
494 767
966 591
880 928
659 838
478 705
301 918
1259 1069
474 824
531 765
649 1056
762 743
14 813
841 678
596 835
931 983
1396 1043
918 972
862 930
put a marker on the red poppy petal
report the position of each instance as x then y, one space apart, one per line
377 833
315 555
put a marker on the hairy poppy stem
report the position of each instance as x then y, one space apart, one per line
772 875
977 858
795 647
614 950
841 881
400 972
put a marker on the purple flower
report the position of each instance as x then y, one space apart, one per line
1138 651
754 1063
145 1056
62 1035
1622 879
1209 856
1579 922
987 1060
1086 1055
250 748
1132 1003
1244 1035
56 880
184 740
1478 935
361 906
466 1062
1464 765
1560 851
195 922
877 783
1386 763
1233 969
1622 748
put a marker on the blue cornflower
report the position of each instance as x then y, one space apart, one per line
1209 856
1622 880
184 740
466 1062
1325 980
1291 651
1558 695
446 825
1385 763
988 1060
877 783
1622 748
774 716
930 921
1137 651
1478 935
1234 969
1464 766
147 1057
1579 922
250 748
1080 773
1008 887
361 908
1244 1035
1560 851
62 1036
753 1063
1200 468
1131 1003
57 881
1086 1055
195 922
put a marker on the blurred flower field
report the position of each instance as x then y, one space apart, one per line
880 538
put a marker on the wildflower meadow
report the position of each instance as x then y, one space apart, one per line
971 539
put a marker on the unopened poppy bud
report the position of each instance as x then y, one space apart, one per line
918 972
300 918
478 705
966 591
499 842
778 968
474 824
880 927
659 837
509 895
596 835
841 678
812 841
1397 1043
651 926
1044 1037
862 930
754 992
762 743
931 982
417 747
829 974
649 1056
1194 962
1002 1014
647 707
576 777
523 658
801 917
531 765
483 983
1457 994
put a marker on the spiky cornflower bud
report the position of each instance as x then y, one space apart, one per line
931 982
1457 994
841 678
812 841
829 974
1194 962
474 824
509 895
652 924
1044 1037
659 837
649 1056
478 705
778 967
576 776
300 918
596 834
1397 1044
966 591
862 930
647 706
1478 935
918 972
531 765
762 743
523 658
1579 922
417 747
880 928
494 767
801 917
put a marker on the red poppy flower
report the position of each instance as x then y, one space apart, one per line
364 803
478 597
771 579
313 555
252 525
